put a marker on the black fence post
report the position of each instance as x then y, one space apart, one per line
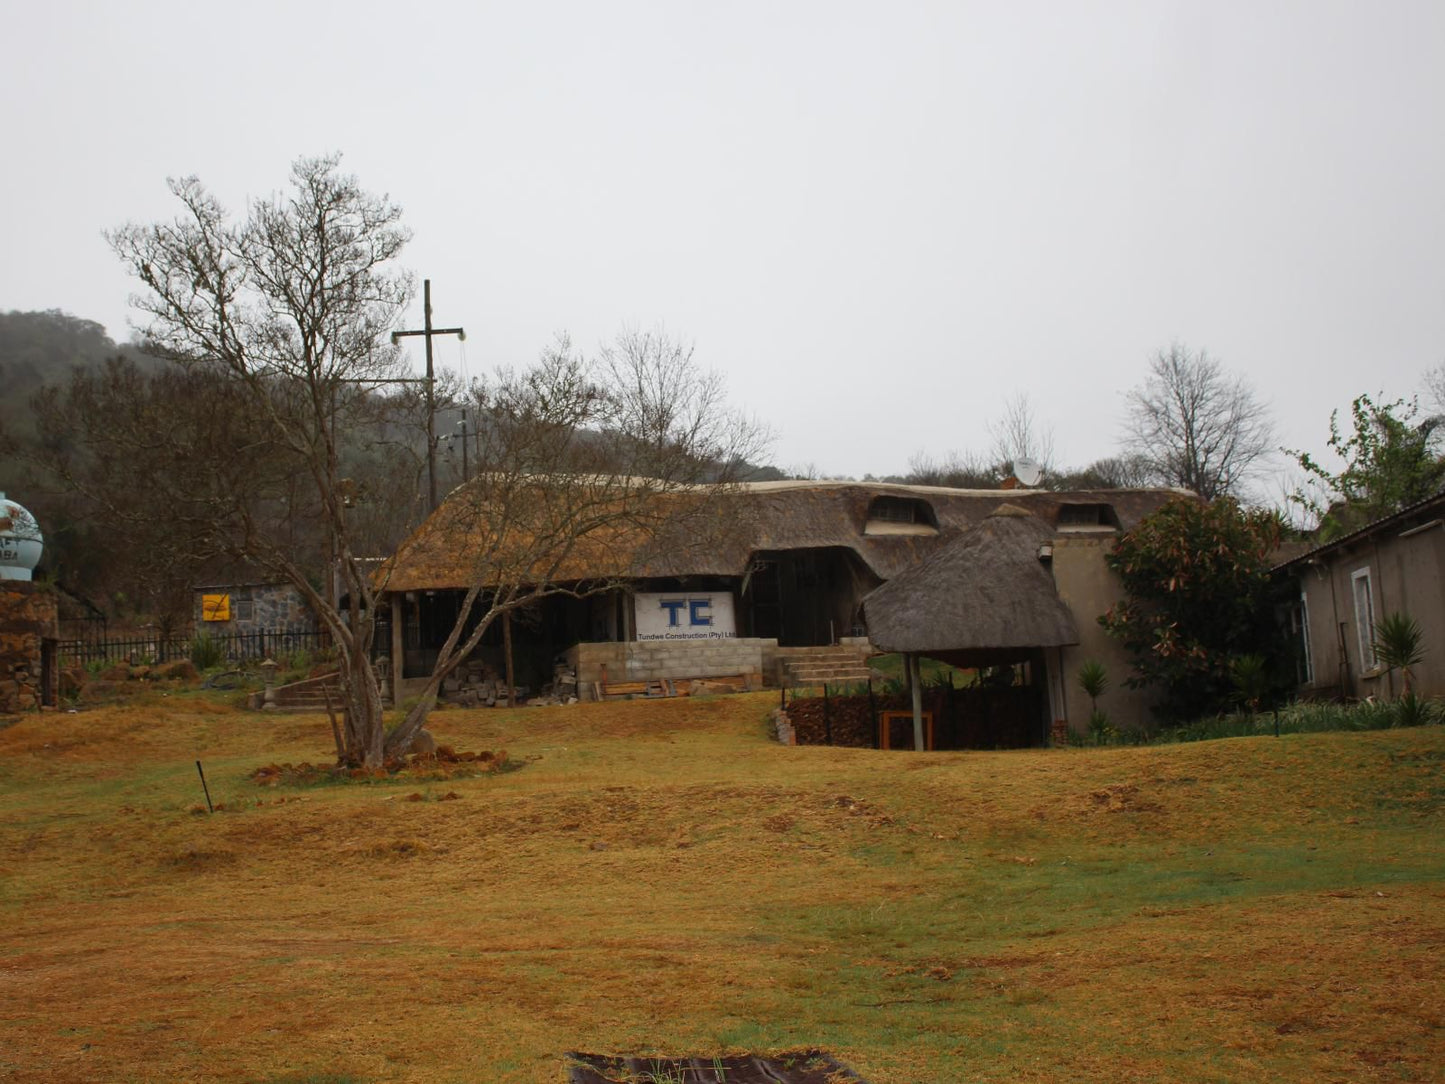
873 713
827 718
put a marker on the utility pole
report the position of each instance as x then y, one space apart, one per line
466 474
431 405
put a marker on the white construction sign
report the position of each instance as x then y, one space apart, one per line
685 615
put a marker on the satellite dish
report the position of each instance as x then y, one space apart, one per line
1027 472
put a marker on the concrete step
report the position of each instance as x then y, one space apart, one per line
838 676
797 664
307 701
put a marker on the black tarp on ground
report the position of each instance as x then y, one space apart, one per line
802 1067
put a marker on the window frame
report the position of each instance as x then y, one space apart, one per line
1301 614
1365 623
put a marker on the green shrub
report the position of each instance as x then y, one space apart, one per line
1099 727
206 652
1298 718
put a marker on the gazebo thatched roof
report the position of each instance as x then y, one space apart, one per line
987 591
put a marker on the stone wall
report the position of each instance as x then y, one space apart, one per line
652 660
28 618
258 607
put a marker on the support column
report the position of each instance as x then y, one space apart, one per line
1058 692
398 648
914 675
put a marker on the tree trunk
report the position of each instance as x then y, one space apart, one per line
401 738
364 724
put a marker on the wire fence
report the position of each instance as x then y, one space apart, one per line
234 647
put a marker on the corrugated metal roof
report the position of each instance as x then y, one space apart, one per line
1384 522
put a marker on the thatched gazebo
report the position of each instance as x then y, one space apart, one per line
986 599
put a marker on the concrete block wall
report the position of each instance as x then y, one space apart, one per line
652 660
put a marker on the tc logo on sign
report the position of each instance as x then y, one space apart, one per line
699 611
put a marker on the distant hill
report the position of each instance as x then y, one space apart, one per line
43 347
40 348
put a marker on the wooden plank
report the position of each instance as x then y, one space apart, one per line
624 688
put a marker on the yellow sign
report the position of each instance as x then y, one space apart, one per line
215 607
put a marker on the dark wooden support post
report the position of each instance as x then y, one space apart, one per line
827 718
507 652
398 648
914 676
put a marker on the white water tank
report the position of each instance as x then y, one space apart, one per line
20 541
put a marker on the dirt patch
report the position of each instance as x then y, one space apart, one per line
443 764
198 861
1123 798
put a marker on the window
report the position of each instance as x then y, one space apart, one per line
900 515
1364 617
1299 626
1083 517
245 609
901 510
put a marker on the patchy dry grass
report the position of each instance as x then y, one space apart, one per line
657 877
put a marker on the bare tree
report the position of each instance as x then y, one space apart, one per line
1196 425
289 310
1016 435
1019 435
587 469
957 470
283 319
1435 389
1111 472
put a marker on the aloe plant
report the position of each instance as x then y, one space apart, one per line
1399 644
1094 680
1250 675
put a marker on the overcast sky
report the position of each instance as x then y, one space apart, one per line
879 220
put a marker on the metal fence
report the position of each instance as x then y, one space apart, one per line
235 647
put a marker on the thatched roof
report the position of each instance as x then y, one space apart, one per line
987 590
761 517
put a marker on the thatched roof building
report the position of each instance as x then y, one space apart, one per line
755 579
986 592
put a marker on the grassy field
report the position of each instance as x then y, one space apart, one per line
659 877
